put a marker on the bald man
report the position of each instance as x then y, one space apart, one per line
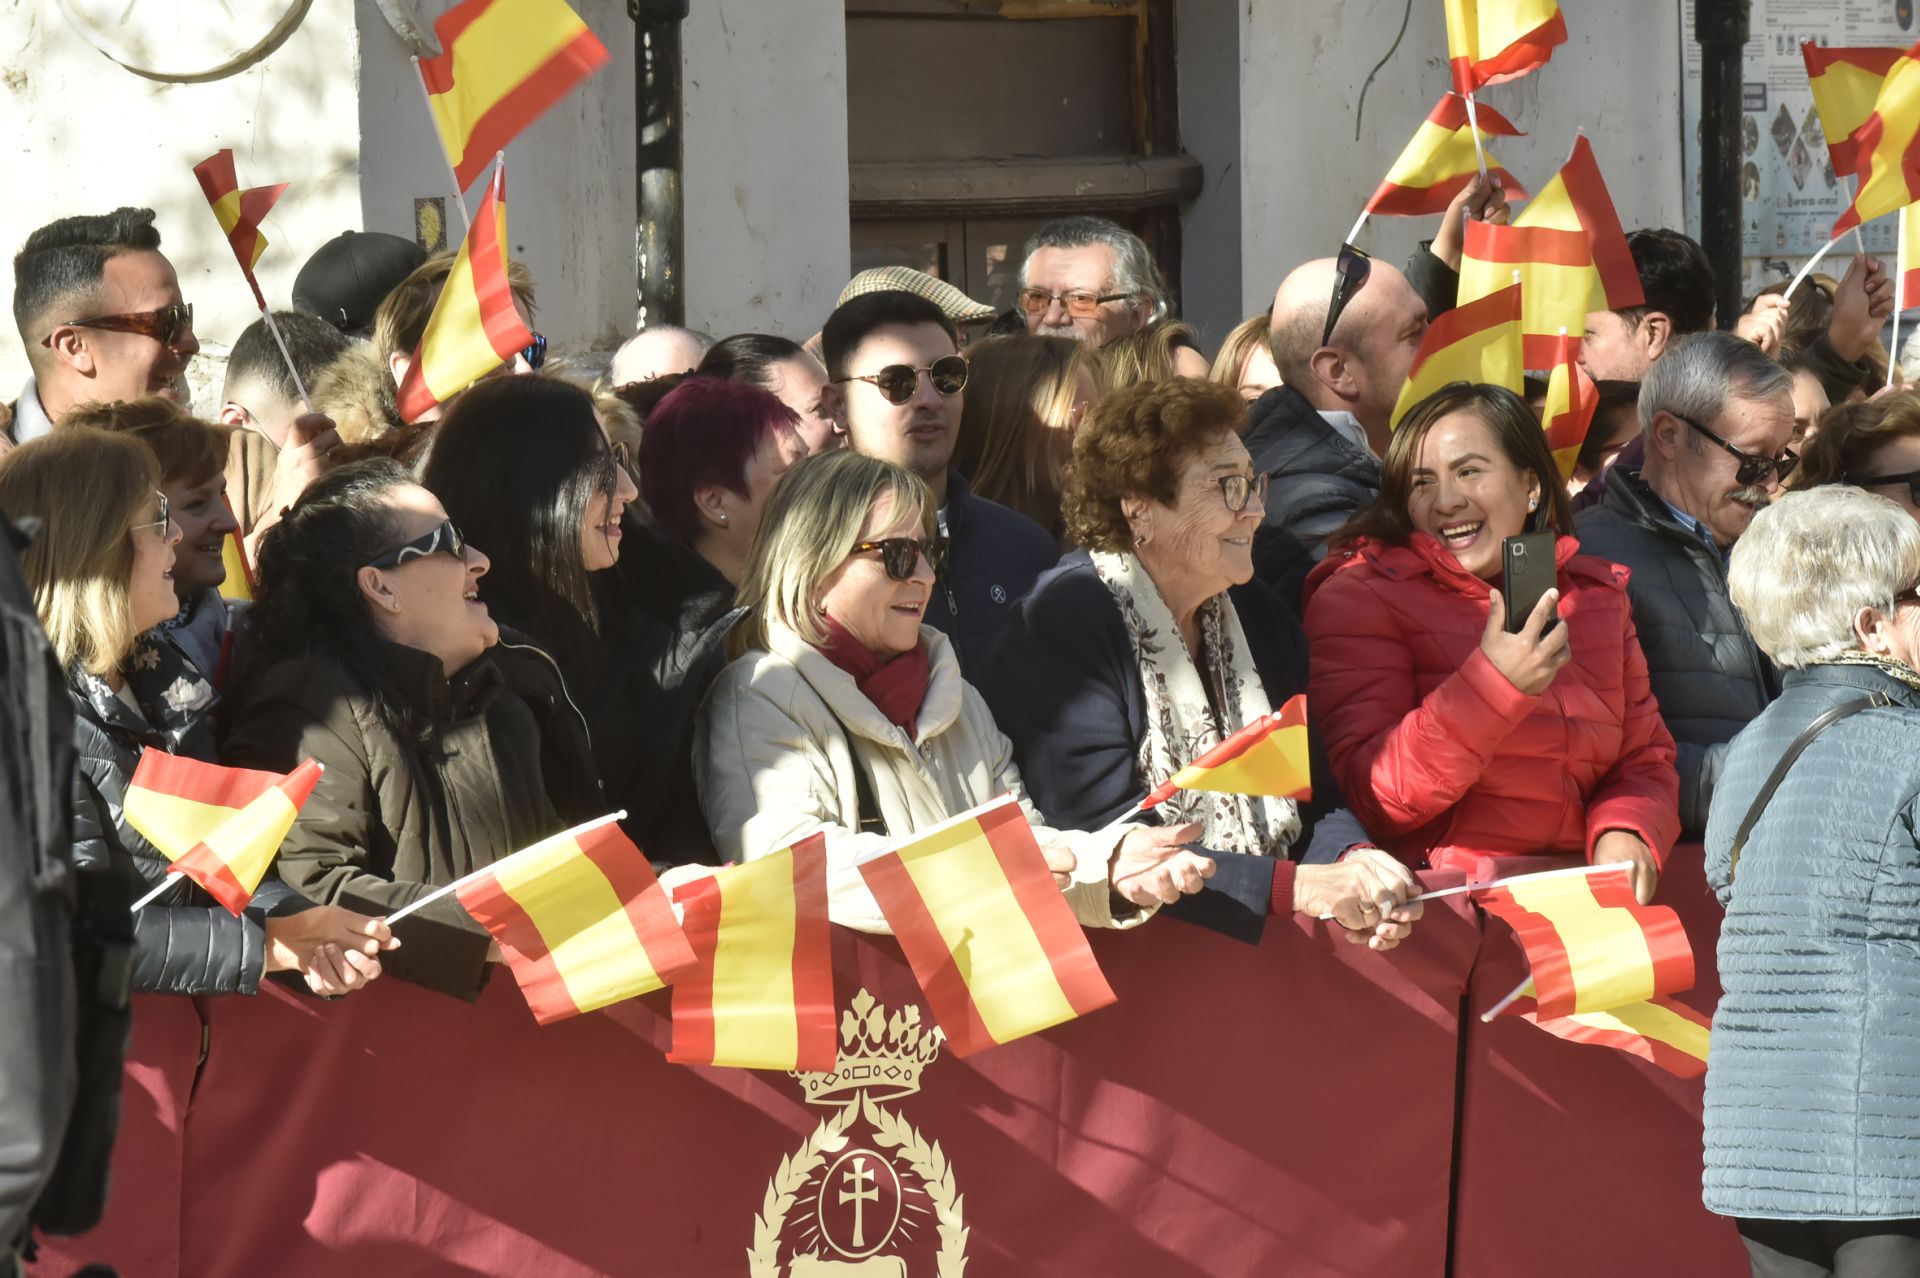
656 351
1320 435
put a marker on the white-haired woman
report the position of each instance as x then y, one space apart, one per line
1813 845
842 713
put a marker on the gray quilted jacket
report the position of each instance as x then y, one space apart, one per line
1813 1082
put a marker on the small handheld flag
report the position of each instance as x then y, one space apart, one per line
761 996
475 326
221 827
1845 83
581 920
1440 161
1477 342
1661 1031
1887 154
239 212
1571 403
1490 41
1268 757
994 944
238 583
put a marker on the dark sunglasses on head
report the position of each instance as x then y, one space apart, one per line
535 352
900 555
1752 470
1241 491
163 326
1080 303
897 382
164 523
1911 479
1350 271
444 538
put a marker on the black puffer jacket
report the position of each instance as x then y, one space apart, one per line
1320 479
186 943
1708 676
994 557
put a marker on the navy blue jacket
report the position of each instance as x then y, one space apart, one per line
1065 688
994 556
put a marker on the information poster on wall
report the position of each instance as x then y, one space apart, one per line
1789 192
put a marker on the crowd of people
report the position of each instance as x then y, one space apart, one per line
861 580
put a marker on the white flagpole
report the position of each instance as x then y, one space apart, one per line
1808 268
1358 225
1515 995
411 906
1473 127
459 196
165 883
266 313
1511 878
1899 300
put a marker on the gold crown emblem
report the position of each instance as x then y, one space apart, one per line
880 1055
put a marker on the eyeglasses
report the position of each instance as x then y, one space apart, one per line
163 326
1350 271
618 456
897 382
1240 491
1910 595
1911 479
900 555
1752 470
164 523
444 538
1078 302
535 352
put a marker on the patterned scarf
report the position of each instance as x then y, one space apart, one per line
1899 671
1181 725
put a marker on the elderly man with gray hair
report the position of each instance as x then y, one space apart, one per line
1090 279
1715 415
1813 1089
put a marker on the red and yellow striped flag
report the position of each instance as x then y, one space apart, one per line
581 920
761 996
1489 41
1477 341
502 64
238 583
1888 147
239 212
1662 1031
994 944
1591 945
1570 252
1845 83
1571 402
475 327
1267 757
1907 269
1440 161
221 827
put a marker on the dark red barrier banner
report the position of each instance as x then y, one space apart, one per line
1289 1109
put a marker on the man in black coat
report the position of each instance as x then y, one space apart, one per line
1715 413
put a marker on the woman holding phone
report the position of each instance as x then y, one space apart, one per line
1454 737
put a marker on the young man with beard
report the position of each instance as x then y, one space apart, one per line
895 357
1715 417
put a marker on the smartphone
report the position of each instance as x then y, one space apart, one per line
1529 572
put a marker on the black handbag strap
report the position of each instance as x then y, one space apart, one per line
1780 769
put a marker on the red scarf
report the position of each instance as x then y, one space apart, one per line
895 685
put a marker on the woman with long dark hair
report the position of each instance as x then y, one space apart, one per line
525 468
367 648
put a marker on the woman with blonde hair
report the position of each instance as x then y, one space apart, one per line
101 571
843 714
1025 398
1245 361
1165 348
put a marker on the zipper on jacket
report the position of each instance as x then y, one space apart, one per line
953 602
566 696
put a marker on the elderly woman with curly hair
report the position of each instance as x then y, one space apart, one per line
1137 655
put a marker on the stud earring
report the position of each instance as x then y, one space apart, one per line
1533 503
723 519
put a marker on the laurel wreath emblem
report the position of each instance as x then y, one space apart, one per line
930 1165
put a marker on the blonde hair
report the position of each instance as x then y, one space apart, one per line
1016 429
809 527
1145 355
87 488
401 320
1249 334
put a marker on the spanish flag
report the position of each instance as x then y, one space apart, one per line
1661 1031
1478 342
238 583
1489 41
1570 253
993 943
1440 161
475 327
761 994
1267 757
221 827
1591 945
502 64
1845 83
1888 147
1571 402
239 212
581 920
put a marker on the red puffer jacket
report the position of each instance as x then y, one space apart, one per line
1439 755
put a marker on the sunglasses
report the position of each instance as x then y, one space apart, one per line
443 539
897 382
1752 470
164 523
1241 491
1911 479
1350 271
900 555
535 352
1078 302
618 455
164 325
